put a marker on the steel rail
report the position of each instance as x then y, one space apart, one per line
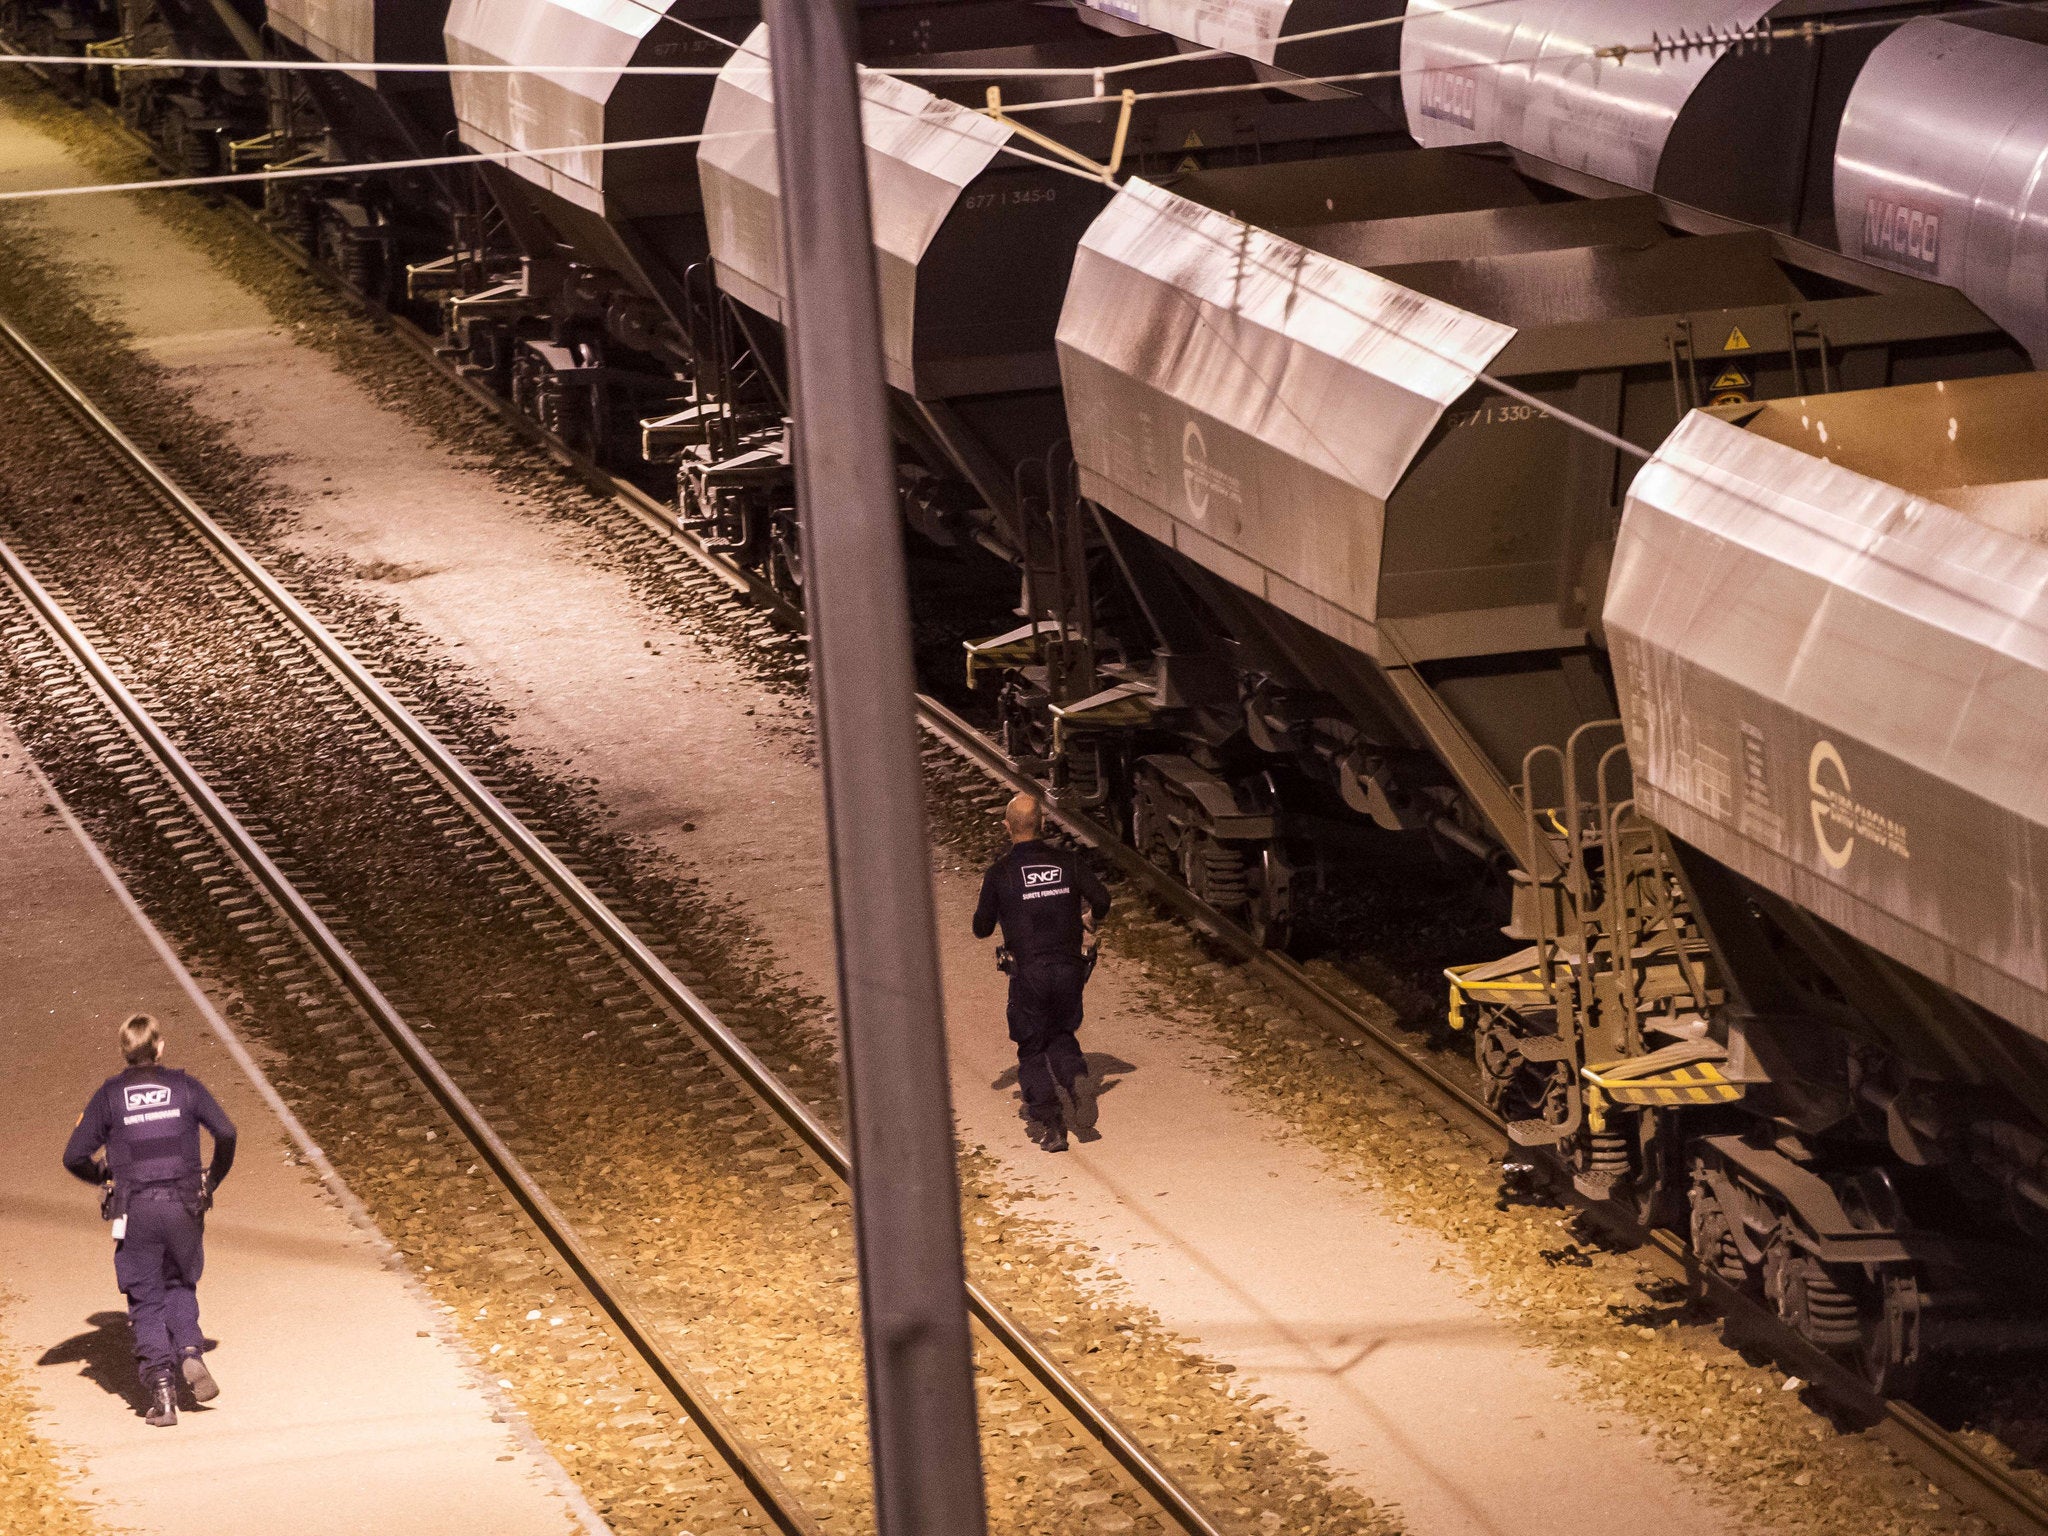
1454 1099
1976 1480
1980 1483
743 1459
1153 1479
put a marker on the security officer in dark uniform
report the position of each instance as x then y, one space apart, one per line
148 1118
1049 904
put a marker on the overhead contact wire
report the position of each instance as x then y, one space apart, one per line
1656 49
314 172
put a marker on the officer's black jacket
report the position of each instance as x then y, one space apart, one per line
148 1119
1036 891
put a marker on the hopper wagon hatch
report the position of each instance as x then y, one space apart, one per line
958 221
1830 640
1272 386
1273 383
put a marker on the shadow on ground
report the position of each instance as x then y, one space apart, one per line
105 1356
1107 1070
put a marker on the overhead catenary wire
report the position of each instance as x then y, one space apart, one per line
1318 35
347 67
961 72
1656 49
316 172
1501 386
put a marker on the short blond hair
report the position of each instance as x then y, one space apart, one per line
142 1040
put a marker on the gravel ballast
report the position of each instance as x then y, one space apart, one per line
1722 1419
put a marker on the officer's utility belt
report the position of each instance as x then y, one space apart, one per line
121 1196
1009 964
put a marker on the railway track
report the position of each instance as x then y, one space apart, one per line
315 941
294 915
1977 1481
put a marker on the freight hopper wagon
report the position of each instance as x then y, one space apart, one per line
1731 105
1301 38
367 229
195 117
586 303
611 310
974 245
1911 136
74 28
1828 618
1271 384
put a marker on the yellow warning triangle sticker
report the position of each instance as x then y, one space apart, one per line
1192 141
1188 163
1732 378
1736 342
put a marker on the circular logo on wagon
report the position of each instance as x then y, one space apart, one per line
1201 480
1840 820
1194 468
1830 803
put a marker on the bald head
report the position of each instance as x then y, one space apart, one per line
1025 818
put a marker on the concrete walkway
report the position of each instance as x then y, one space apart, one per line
341 1409
1238 1237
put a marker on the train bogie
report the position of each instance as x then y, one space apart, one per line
1295 580
1298 411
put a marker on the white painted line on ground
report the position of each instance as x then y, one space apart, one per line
514 1418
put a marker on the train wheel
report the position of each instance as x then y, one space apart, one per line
361 266
332 249
786 566
1021 735
1152 831
1656 1175
690 508
1713 1235
1270 912
1888 1347
186 149
1493 1052
526 386
1269 929
1269 874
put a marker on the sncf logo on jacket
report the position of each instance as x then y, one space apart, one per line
146 1101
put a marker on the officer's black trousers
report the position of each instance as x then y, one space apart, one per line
1045 1010
157 1266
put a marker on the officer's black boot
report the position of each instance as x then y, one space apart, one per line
1049 1134
163 1403
199 1379
1082 1091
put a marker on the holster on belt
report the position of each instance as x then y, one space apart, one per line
191 1195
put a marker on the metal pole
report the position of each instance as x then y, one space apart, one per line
906 1198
